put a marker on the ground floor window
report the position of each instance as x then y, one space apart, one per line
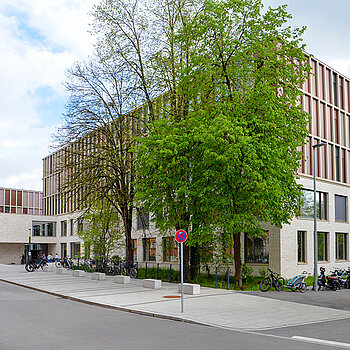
75 250
149 249
63 250
322 243
170 249
134 249
341 243
301 246
256 249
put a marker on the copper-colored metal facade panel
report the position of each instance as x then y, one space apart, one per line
326 97
16 201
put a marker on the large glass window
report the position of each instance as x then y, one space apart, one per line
170 249
307 204
256 249
149 249
341 243
64 228
322 243
340 208
301 246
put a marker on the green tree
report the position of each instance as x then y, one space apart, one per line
103 233
232 161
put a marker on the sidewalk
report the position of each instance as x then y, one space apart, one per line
214 307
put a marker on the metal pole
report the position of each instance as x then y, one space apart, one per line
315 219
182 278
30 247
315 212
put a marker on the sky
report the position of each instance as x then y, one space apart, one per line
41 39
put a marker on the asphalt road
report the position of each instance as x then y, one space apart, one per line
34 320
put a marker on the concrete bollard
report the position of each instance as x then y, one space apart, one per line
122 279
189 288
151 283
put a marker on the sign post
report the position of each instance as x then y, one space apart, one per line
180 237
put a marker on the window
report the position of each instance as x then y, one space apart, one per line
170 249
322 243
307 206
337 163
36 230
80 225
51 229
63 228
7 209
340 208
142 220
134 249
149 249
341 243
301 247
335 89
71 227
256 249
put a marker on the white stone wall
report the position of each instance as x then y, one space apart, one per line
289 253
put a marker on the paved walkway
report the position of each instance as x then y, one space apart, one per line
215 307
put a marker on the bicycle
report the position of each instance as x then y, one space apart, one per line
34 265
128 269
66 262
272 280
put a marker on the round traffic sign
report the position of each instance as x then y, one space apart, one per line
180 236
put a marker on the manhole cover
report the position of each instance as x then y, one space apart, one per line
171 296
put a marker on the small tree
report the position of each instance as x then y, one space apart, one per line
103 233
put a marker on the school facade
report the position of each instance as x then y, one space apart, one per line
54 224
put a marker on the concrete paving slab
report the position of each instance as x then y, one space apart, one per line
216 307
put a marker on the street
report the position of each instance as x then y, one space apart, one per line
35 320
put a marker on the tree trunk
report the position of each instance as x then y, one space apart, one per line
237 258
194 261
186 263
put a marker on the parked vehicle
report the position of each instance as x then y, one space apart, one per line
66 263
331 282
36 264
272 280
297 283
128 269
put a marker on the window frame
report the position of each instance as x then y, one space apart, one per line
321 205
302 248
345 246
335 208
325 246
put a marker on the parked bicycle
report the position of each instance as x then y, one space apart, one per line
272 280
36 264
66 263
128 269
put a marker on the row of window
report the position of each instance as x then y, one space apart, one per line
256 249
341 246
307 206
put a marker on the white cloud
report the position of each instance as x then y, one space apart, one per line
39 40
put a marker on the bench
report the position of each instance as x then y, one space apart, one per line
153 284
98 276
48 268
122 279
190 288
78 273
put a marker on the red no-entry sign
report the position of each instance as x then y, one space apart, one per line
181 236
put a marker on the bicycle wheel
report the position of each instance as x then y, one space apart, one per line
302 287
265 284
58 264
279 284
133 272
29 267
